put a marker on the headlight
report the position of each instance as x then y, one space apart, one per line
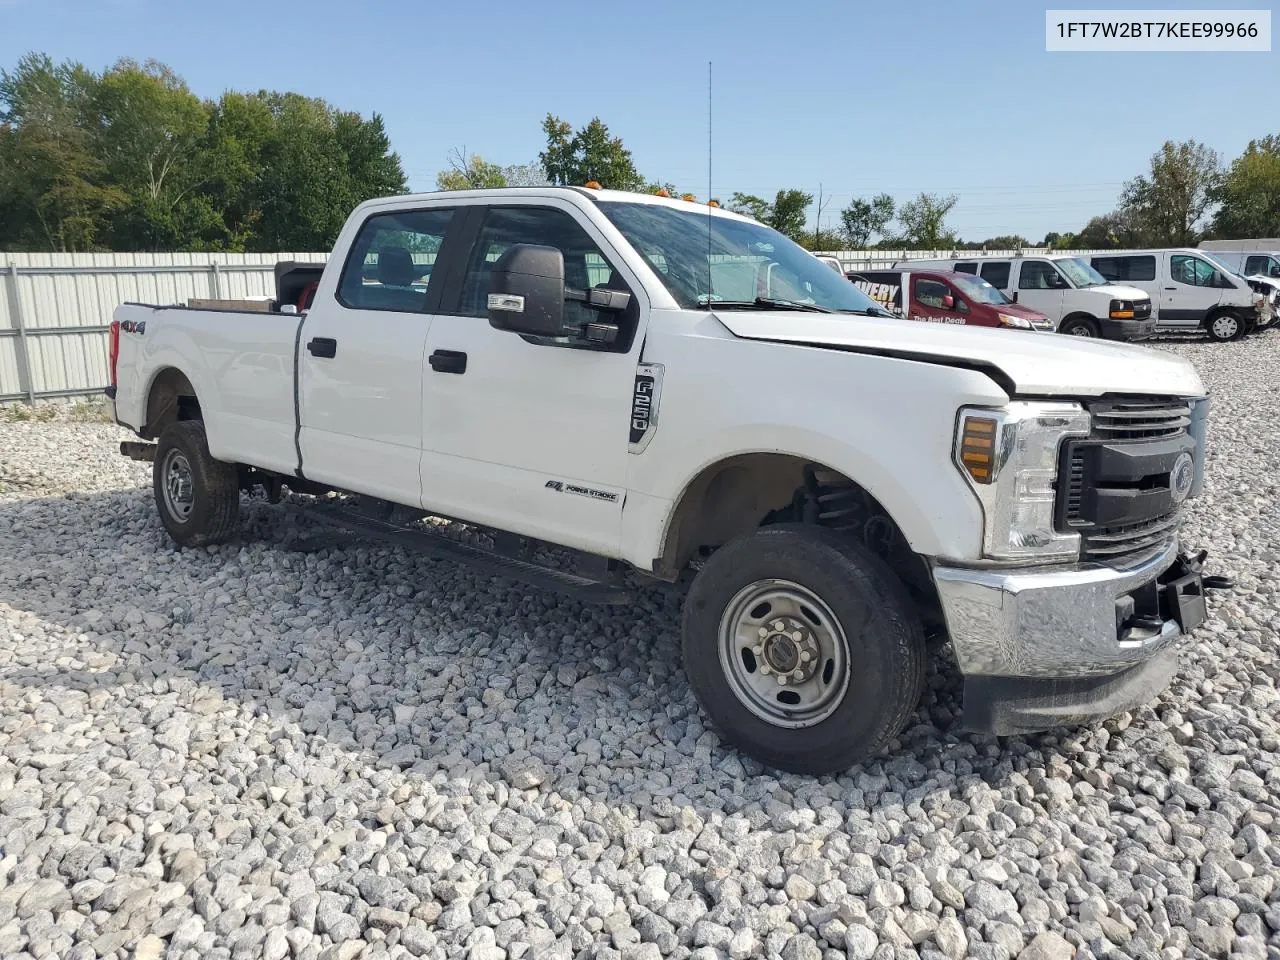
1121 310
1022 323
1010 458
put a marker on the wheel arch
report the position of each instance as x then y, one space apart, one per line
171 397
738 494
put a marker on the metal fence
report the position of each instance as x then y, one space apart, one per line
55 307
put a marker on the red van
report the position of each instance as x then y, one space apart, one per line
942 297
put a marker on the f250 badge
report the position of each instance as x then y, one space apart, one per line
644 405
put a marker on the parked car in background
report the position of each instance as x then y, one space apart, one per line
1078 300
1189 290
1247 263
938 296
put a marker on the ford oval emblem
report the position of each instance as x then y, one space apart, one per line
1181 477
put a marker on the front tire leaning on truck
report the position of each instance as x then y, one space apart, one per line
803 647
197 497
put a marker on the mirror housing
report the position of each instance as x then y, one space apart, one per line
948 302
527 291
1014 296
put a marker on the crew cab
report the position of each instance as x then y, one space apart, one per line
1079 301
937 296
663 391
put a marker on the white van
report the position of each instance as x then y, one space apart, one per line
1190 290
1065 289
1247 263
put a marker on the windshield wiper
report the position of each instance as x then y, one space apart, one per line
764 303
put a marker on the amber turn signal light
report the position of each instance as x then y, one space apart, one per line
978 448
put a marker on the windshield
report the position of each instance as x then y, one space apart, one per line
1219 264
978 290
1080 273
713 260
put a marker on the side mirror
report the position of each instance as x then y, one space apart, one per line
527 291
1015 296
948 302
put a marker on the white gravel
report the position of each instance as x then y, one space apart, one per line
244 752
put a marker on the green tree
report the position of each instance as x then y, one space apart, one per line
1174 198
786 213
470 171
1250 193
53 189
573 159
923 222
863 219
149 129
310 178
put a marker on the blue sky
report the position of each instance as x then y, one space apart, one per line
956 97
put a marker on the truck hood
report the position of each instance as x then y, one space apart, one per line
1046 365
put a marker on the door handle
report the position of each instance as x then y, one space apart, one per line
448 361
1171 288
323 347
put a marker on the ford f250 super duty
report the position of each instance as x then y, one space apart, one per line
660 388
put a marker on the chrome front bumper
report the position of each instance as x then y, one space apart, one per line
1060 624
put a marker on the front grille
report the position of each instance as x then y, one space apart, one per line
1075 487
1141 309
1110 543
1143 420
1125 433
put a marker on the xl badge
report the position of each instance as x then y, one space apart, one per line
1181 477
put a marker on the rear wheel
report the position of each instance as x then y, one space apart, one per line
1080 327
1224 327
197 497
803 648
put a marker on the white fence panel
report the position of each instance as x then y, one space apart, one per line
55 307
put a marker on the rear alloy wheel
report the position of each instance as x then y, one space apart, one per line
1080 327
1225 327
803 648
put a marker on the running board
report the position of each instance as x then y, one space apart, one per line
439 547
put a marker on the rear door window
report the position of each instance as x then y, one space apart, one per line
392 260
969 267
996 273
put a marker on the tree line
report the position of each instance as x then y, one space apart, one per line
131 159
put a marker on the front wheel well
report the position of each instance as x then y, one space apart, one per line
743 493
172 399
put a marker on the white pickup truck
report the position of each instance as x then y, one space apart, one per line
659 387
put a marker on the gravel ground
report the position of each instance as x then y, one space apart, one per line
243 751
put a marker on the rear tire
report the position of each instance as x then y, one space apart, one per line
1224 327
197 497
1080 327
839 627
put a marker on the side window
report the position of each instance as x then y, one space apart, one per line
929 293
1191 271
1038 275
390 264
996 273
1126 268
584 264
969 267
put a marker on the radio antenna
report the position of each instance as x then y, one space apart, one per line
709 195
